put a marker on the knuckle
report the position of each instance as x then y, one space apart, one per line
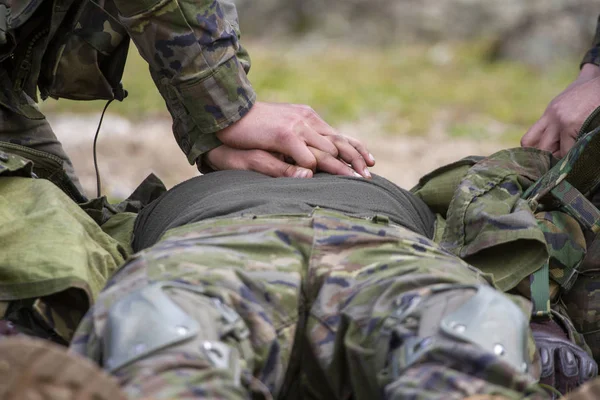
254 159
312 164
357 160
339 139
288 171
554 109
285 135
307 112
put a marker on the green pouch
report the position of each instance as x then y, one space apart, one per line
489 225
46 166
86 59
49 244
437 188
566 245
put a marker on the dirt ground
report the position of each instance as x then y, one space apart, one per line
128 152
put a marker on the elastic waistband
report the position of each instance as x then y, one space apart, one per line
319 218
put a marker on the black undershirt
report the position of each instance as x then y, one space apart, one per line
236 193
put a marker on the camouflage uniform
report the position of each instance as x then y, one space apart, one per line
524 216
583 301
324 306
593 55
77 48
57 250
55 258
333 306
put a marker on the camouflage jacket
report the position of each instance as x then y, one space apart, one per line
191 46
593 55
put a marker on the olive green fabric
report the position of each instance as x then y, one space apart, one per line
488 224
49 244
57 252
521 214
120 228
442 183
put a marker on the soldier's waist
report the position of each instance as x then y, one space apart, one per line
319 218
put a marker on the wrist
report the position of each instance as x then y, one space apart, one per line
589 71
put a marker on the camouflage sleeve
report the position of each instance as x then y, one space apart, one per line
197 63
593 54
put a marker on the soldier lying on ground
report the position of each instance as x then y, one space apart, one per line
330 287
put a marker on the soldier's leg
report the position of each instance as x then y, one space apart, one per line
397 317
210 313
35 134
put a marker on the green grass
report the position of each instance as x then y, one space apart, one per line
403 85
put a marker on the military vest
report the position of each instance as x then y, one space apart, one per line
73 49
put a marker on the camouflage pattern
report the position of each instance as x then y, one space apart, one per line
593 55
487 222
317 294
33 138
525 199
566 245
583 300
86 59
197 63
50 274
583 304
192 48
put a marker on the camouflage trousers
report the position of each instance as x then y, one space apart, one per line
293 307
35 134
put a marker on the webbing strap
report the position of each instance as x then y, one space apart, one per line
577 172
540 292
578 206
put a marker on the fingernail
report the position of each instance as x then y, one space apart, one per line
367 173
371 158
356 174
301 173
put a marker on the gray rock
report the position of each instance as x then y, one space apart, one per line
537 32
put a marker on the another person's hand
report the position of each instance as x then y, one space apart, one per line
294 131
556 131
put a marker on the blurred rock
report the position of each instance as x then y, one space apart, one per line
545 41
537 32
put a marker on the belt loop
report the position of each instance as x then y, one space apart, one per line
381 219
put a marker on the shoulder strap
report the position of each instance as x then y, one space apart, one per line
567 187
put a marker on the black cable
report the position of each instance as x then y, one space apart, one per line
98 184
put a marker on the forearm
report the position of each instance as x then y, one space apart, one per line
197 63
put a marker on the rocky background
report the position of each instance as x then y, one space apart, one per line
537 32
